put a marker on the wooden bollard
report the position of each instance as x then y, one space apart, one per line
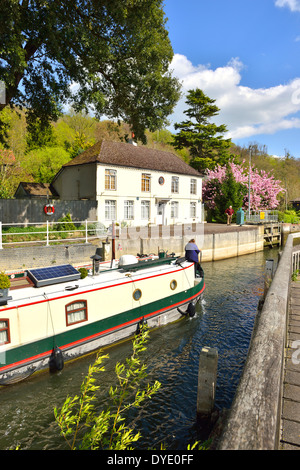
207 381
269 274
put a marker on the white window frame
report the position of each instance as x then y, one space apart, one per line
146 182
174 209
175 184
110 179
193 186
145 210
129 210
110 209
193 210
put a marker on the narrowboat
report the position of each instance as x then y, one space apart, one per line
53 314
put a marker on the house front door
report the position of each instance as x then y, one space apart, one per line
160 219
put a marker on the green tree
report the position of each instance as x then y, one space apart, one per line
116 54
80 424
11 173
43 164
203 138
39 135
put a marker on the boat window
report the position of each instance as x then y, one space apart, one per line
76 312
137 294
173 284
4 331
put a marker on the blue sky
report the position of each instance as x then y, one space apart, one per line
245 54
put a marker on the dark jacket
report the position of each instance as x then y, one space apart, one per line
192 252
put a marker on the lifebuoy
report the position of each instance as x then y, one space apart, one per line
49 209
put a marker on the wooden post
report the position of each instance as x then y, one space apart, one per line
113 245
207 380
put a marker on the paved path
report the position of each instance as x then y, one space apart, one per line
290 419
221 228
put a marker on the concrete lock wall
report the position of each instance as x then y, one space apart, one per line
214 247
20 259
230 244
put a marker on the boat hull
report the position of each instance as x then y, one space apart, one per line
26 359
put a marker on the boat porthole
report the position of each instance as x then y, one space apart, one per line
137 294
173 284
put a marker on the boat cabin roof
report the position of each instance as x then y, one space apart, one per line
23 288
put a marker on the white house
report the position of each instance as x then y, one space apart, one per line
132 184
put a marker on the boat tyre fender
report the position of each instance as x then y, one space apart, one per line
190 311
140 325
56 362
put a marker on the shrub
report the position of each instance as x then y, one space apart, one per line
4 281
83 272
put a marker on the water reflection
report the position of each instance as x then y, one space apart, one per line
224 320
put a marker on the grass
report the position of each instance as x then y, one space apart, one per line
33 233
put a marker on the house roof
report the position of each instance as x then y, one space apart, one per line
128 155
36 190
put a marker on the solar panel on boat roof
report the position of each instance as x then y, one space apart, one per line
53 275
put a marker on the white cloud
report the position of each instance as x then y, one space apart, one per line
293 5
245 111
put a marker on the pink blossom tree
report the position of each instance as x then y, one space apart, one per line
264 188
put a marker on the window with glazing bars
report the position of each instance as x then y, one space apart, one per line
193 209
128 210
110 210
146 182
174 209
193 186
145 209
175 184
110 179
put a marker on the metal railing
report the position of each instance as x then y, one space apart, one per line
262 217
47 233
296 261
85 231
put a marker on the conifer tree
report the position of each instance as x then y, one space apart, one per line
203 138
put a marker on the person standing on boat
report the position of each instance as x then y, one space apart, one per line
229 212
192 254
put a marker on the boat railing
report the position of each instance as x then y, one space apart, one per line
142 264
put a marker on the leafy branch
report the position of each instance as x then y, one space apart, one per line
79 423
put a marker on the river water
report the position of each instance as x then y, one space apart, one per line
224 320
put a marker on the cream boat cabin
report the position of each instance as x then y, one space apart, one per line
68 317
